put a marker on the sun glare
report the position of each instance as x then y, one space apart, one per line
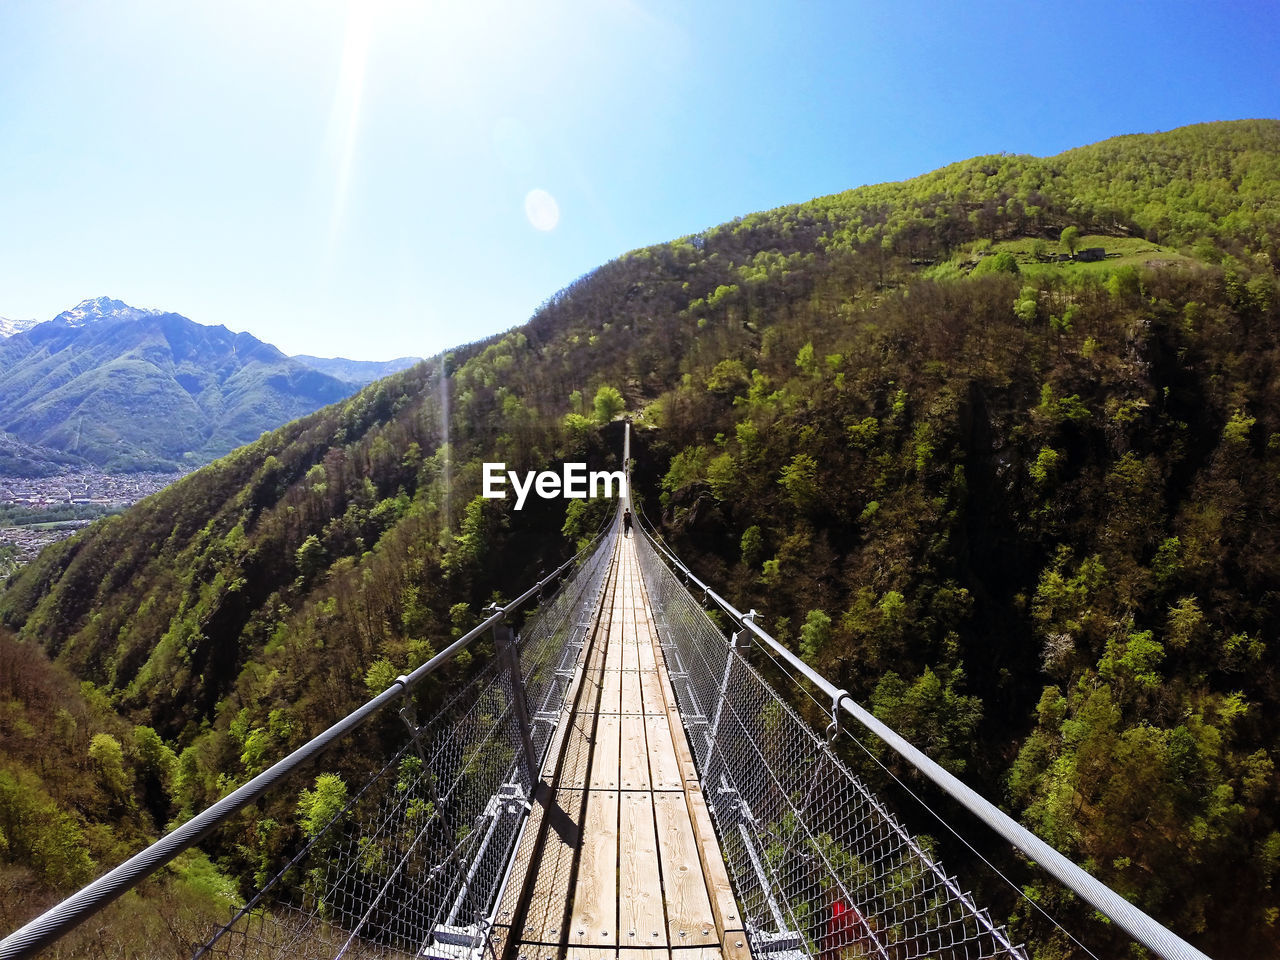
344 118
542 210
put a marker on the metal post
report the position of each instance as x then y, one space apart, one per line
505 644
724 692
409 715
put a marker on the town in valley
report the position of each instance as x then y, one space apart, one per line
38 511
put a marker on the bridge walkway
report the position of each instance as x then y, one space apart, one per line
619 860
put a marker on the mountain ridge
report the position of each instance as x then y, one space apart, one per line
9 327
356 371
99 309
127 388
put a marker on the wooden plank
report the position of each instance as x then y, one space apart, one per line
648 661
606 753
577 753
664 768
689 917
651 693
536 897
593 678
664 672
590 953
684 755
613 652
592 684
723 906
634 762
632 699
641 919
680 743
545 917
735 947
499 937
639 856
611 695
529 841
595 896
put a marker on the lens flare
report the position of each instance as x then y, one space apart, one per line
344 119
542 210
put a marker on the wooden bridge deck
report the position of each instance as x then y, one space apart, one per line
619 860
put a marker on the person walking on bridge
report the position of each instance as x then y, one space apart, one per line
626 522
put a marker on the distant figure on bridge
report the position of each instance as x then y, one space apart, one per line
626 522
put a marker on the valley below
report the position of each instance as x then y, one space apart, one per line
38 511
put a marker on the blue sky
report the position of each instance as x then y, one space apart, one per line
394 177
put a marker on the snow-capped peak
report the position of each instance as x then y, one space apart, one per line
10 327
102 308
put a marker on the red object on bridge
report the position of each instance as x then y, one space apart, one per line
843 928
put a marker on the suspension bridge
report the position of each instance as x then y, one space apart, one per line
619 782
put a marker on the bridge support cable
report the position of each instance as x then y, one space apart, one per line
419 849
803 834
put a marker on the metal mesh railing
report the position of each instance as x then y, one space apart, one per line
820 867
412 864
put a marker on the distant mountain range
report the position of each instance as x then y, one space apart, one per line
124 388
9 327
357 371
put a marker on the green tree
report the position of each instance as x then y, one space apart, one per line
688 467
1045 467
800 479
319 806
608 404
931 713
1124 282
156 761
728 377
1002 262
107 758
814 635
34 830
1070 239
1236 432
752 545
380 675
310 557
805 359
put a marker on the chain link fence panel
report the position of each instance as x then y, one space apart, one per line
412 864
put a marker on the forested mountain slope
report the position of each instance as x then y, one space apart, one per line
1029 510
80 791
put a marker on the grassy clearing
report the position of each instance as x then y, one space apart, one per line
1133 251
